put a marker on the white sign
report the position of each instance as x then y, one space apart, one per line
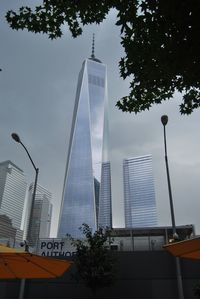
55 247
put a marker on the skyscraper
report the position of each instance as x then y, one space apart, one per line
84 162
104 214
12 193
139 194
42 212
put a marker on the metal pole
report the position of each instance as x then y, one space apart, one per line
23 280
29 234
30 224
169 188
16 137
164 120
28 155
22 288
179 278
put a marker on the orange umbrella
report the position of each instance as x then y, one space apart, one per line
186 249
19 264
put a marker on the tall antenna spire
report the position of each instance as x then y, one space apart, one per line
92 57
93 40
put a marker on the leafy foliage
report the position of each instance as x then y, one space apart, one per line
160 38
93 260
196 289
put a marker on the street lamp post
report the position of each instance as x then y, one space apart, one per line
164 120
16 137
18 140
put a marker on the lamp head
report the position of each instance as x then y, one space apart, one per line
164 120
16 137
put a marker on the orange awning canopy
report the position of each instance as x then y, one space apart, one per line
4 249
186 249
17 264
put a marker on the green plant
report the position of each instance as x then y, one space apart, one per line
160 39
196 289
93 261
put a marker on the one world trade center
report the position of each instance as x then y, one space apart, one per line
86 193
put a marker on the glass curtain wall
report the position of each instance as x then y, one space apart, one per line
83 171
139 194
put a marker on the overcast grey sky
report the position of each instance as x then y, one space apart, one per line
37 92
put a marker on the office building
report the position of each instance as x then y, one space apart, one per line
81 193
139 194
41 216
12 194
123 239
104 214
7 231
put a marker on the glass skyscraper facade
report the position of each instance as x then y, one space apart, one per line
105 204
42 212
12 193
139 194
82 188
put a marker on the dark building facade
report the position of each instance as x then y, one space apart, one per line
139 275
